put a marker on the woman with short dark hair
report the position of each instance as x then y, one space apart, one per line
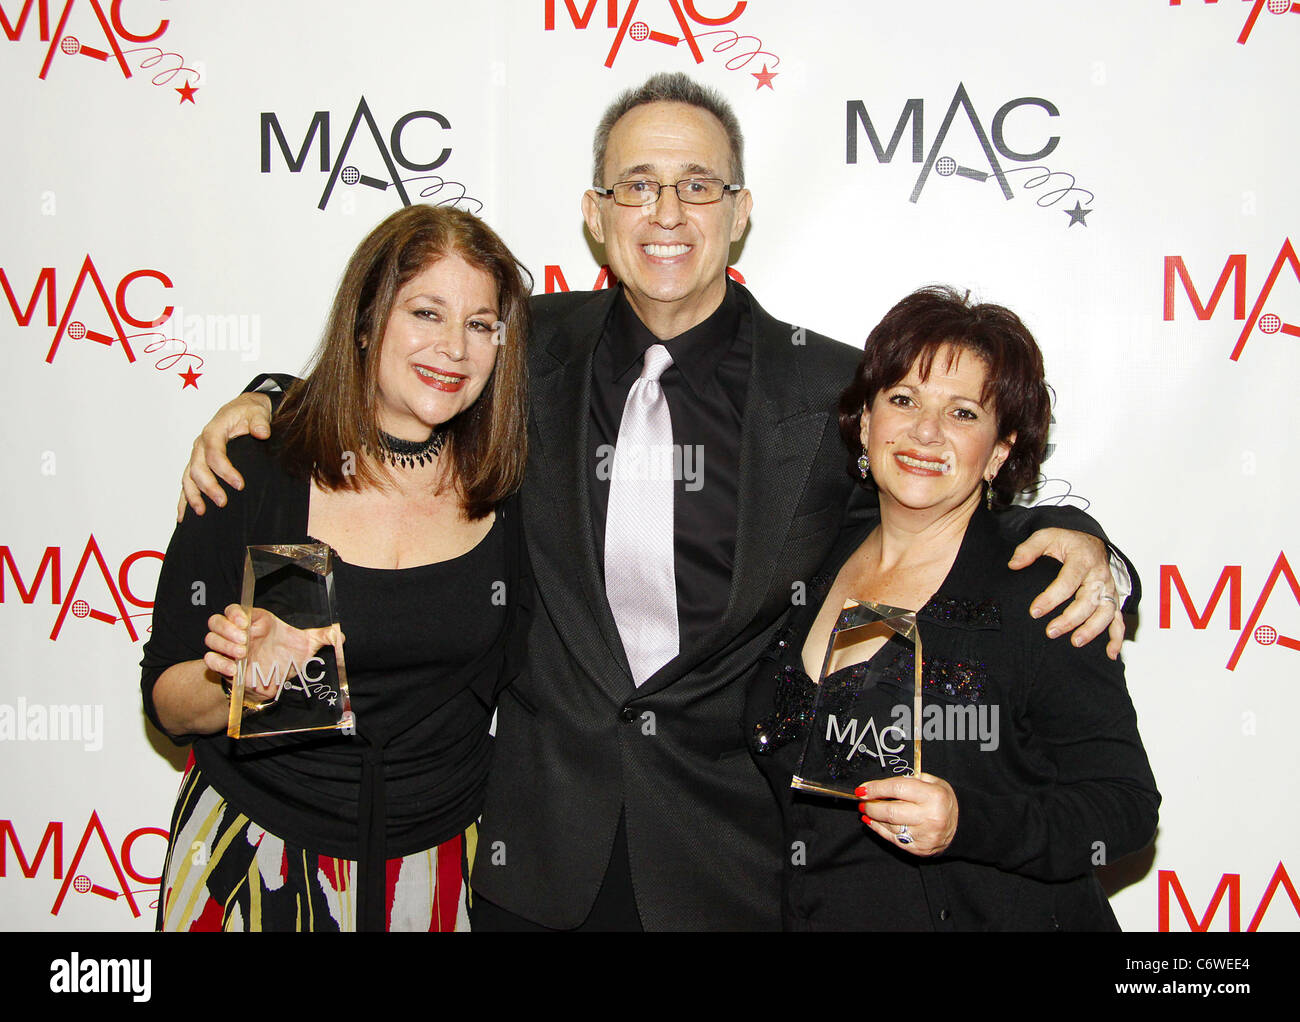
1033 771
401 449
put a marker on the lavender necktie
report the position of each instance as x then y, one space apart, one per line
639 579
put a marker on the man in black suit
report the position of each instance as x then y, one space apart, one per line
622 794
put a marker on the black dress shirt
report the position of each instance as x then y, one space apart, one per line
705 389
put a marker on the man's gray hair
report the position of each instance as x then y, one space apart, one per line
670 87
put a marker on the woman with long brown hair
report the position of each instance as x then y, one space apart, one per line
401 449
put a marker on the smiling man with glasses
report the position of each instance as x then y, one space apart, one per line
622 794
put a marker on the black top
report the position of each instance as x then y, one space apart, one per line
1067 786
705 390
427 648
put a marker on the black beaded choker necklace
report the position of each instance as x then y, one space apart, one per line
409 453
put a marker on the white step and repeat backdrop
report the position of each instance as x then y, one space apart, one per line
183 181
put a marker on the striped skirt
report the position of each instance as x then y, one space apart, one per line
224 872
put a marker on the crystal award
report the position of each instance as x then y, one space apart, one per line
863 730
292 680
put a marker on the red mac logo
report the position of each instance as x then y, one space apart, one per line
1256 7
679 19
1229 884
115 586
118 862
1229 582
102 321
76 27
554 280
1234 271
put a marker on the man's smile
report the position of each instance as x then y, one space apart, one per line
665 251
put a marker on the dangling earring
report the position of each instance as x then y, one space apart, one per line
864 464
988 494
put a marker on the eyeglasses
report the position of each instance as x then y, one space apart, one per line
697 191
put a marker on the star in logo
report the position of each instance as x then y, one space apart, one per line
191 379
187 92
764 78
1077 215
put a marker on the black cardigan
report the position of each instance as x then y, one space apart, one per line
333 794
1067 788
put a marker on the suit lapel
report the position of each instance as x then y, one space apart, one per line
779 440
778 448
557 499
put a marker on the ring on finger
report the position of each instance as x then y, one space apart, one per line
904 836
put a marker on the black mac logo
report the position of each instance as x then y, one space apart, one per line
1023 116
392 150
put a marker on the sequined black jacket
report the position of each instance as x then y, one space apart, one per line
1067 788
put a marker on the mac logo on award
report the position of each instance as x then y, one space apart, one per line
293 679
856 734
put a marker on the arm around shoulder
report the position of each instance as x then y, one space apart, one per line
248 414
1019 524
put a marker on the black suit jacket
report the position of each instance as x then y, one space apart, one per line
577 743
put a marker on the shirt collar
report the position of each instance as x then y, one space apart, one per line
696 353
